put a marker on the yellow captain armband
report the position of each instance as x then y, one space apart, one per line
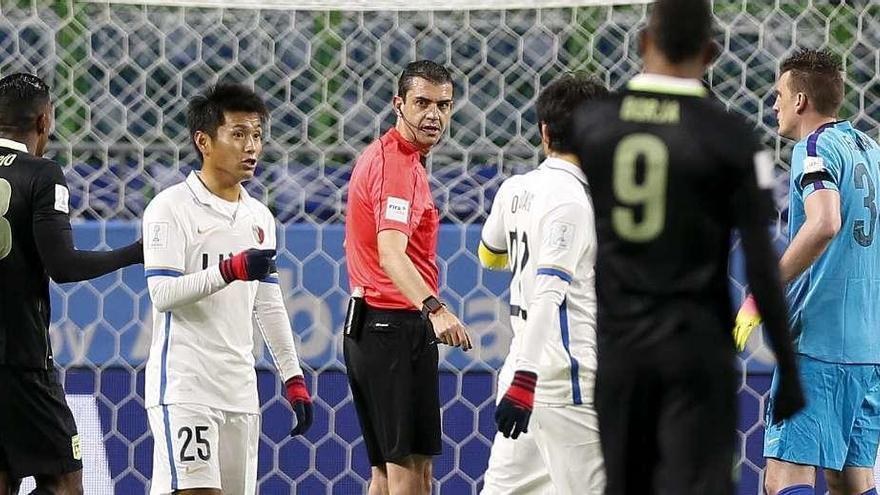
490 259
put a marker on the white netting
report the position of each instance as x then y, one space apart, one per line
121 75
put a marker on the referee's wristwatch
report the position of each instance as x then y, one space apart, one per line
431 305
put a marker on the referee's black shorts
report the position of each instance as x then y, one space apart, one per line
667 419
37 432
392 370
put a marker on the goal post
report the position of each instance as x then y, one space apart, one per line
380 5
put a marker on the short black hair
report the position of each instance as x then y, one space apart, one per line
681 28
205 112
558 102
23 97
425 69
818 74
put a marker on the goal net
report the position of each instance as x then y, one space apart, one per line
121 75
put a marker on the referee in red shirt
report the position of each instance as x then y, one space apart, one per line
391 229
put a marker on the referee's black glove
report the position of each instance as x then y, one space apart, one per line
515 409
789 398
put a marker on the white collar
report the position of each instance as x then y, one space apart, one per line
13 145
565 166
206 197
658 83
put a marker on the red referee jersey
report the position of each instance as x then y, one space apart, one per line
389 190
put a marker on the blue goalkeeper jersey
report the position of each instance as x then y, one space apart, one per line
835 303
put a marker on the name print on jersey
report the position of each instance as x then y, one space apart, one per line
6 160
653 110
523 202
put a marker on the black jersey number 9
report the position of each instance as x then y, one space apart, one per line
649 194
5 227
863 232
204 454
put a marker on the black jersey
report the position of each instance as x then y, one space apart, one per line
32 190
671 174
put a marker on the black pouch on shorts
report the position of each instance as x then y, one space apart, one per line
354 317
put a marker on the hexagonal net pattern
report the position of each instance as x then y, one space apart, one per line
121 77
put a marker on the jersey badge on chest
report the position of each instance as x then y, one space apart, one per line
259 234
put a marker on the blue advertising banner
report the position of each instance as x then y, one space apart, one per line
101 333
107 321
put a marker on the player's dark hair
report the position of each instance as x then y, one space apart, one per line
205 112
819 75
681 28
425 69
558 102
23 97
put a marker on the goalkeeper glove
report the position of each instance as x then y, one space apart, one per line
747 319
252 264
515 409
301 403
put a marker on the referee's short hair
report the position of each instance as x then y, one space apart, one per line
205 112
23 97
558 102
681 28
424 69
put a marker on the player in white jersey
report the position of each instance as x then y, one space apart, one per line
540 229
201 387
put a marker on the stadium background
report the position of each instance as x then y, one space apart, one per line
121 75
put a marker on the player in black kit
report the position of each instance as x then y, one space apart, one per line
38 436
671 175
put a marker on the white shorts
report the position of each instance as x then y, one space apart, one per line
516 468
560 454
199 447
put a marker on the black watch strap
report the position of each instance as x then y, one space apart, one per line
430 306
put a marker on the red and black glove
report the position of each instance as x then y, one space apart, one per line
515 409
252 264
301 402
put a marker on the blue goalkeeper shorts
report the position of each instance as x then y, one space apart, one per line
840 425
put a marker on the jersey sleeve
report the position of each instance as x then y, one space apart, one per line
567 231
493 234
53 235
270 314
271 242
392 195
51 196
752 178
273 323
164 240
815 165
271 233
751 205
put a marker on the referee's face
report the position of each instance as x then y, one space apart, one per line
234 152
424 112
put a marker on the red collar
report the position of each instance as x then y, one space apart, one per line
406 146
